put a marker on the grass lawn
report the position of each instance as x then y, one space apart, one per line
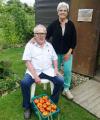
11 104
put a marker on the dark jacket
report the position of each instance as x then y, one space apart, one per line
62 43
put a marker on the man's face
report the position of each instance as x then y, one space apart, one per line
40 36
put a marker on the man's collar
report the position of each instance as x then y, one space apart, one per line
45 44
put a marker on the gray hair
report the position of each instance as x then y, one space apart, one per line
61 5
37 27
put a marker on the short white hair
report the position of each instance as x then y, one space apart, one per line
37 27
61 5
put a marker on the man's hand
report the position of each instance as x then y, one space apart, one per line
37 80
56 71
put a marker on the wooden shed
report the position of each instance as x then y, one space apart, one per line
86 16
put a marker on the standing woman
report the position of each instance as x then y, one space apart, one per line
63 35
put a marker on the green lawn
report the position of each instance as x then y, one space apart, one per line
11 104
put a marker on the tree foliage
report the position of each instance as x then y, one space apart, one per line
16 23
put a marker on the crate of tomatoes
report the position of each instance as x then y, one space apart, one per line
44 107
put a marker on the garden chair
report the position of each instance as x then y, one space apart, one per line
44 82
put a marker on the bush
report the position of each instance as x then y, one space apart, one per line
16 23
8 80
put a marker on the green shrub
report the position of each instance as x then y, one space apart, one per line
16 23
8 80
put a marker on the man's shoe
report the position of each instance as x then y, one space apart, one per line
68 94
27 114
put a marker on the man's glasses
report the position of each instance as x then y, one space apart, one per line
40 33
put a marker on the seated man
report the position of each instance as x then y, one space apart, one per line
41 62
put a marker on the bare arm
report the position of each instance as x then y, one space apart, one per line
55 63
32 71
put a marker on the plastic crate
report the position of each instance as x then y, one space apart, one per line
51 115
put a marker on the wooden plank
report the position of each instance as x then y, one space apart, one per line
88 96
82 87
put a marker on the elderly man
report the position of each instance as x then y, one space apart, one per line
41 62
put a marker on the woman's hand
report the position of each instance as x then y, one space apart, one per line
33 40
66 57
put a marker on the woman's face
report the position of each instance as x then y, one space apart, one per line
63 13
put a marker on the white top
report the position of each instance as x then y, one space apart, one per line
63 30
41 58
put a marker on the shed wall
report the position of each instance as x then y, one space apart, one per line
87 32
46 11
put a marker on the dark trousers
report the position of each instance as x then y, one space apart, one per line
26 83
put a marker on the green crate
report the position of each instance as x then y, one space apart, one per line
51 116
